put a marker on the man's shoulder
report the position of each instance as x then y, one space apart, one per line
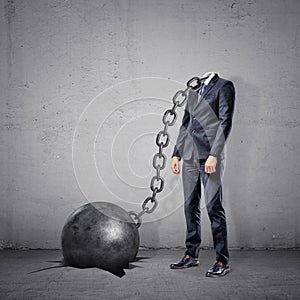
224 81
222 84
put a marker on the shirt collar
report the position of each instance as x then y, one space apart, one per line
210 77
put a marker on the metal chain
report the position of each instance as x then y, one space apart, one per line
159 159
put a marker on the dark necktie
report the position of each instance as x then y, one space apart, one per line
201 91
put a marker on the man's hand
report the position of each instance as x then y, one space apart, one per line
210 164
175 165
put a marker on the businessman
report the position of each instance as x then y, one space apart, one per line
206 125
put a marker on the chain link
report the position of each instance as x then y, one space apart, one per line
157 163
159 159
167 113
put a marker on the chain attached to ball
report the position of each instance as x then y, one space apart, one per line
159 159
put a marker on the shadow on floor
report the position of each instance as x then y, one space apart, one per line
116 270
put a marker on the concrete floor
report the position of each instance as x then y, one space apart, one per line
255 275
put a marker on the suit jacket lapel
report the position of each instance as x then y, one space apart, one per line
193 96
207 89
210 85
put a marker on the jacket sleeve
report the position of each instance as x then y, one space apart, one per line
178 149
226 108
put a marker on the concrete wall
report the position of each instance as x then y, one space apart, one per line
57 56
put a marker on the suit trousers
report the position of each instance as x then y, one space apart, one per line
192 175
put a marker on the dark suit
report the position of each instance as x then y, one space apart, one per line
205 127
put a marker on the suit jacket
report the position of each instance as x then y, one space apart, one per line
206 123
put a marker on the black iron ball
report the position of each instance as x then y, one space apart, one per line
100 234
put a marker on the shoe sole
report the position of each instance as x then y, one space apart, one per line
220 275
185 267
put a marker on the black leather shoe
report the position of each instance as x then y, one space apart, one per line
186 262
218 270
